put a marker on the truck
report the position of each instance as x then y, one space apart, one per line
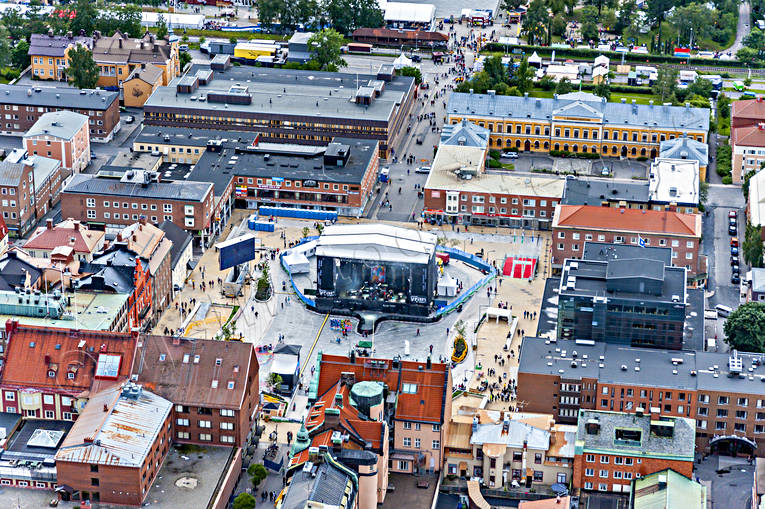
739 86
247 51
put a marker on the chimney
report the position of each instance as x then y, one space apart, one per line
119 41
106 407
119 237
76 225
49 223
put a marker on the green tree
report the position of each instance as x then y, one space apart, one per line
703 193
523 77
161 27
6 57
589 31
233 39
87 13
588 14
268 11
16 24
19 55
665 84
244 501
511 5
412 72
600 4
723 106
701 87
496 70
534 26
602 89
745 327
257 473
325 48
185 58
83 70
692 20
627 10
752 246
274 380
563 86
657 11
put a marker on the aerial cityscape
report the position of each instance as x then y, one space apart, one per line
361 254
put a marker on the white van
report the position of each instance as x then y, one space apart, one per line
723 310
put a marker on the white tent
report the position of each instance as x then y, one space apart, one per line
402 61
402 12
602 60
297 263
447 286
535 60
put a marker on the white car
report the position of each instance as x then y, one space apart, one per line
510 155
422 169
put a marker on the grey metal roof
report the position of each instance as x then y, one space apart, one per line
178 236
287 93
10 173
323 483
465 134
55 45
579 104
61 124
57 97
635 267
103 186
681 445
580 191
685 148
518 435
605 251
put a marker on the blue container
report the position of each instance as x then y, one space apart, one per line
251 221
263 226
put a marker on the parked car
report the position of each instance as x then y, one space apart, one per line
734 242
183 47
422 169
735 279
510 155
129 119
735 269
732 230
733 260
732 214
734 251
605 172
92 155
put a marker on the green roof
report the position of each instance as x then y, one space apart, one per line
86 310
666 490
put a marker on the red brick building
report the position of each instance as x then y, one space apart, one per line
63 136
45 371
613 448
213 385
116 448
573 225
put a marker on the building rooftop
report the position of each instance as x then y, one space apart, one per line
674 181
469 162
465 134
149 74
581 191
56 97
748 109
633 435
284 161
511 433
17 272
685 148
72 357
327 483
627 220
100 185
181 136
376 242
178 236
124 436
69 232
605 251
49 45
145 240
122 48
749 136
285 92
666 489
199 372
12 168
61 124
580 104
85 310
758 279
37 440
757 198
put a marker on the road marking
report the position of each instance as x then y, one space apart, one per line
316 340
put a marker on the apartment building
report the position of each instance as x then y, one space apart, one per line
687 149
46 240
47 372
573 225
29 187
748 147
49 54
715 388
117 199
61 135
614 448
623 294
185 146
286 105
21 107
460 190
213 386
141 83
119 55
181 254
578 122
102 463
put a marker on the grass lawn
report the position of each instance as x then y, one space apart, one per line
615 96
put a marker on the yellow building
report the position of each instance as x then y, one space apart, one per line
49 54
119 55
140 84
578 122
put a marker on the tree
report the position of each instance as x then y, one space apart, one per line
745 327
600 3
563 86
657 10
412 72
723 106
602 89
5 48
535 22
665 84
627 9
184 58
589 31
161 27
268 11
87 13
274 380
495 69
306 231
703 193
511 5
257 473
244 501
83 70
523 76
19 55
701 87
325 48
752 246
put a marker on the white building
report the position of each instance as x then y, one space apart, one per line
674 183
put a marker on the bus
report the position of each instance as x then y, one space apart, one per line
358 47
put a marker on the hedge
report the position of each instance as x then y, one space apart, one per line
577 155
617 56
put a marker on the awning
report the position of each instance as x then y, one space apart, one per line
402 456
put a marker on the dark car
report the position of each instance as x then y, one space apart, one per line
734 251
733 260
735 279
735 269
732 230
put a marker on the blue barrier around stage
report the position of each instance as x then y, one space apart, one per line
317 215
306 300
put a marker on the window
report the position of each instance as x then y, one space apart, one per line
722 400
182 422
538 476
417 443
589 472
721 412
167 207
436 428
91 214
94 481
741 414
603 473
227 425
617 474
436 444
90 202
183 435
225 412
517 456
538 458
181 409
743 401
226 439
410 389
404 465
205 424
407 425
407 442
590 458
205 437
604 459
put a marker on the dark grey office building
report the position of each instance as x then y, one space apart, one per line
623 294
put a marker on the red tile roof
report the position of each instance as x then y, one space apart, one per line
749 109
409 35
592 217
85 240
34 352
750 136
426 404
